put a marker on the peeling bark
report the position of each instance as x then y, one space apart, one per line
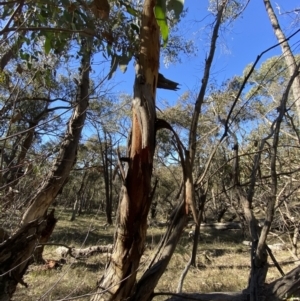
119 279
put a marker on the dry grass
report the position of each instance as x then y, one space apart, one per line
222 262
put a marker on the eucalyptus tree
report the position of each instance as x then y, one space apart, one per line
287 53
85 26
40 26
267 87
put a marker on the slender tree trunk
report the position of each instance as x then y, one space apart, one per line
68 151
107 165
287 53
260 265
75 208
79 196
202 200
157 267
110 187
17 251
192 261
190 195
119 278
295 240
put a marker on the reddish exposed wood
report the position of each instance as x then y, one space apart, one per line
119 278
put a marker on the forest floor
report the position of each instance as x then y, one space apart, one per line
222 261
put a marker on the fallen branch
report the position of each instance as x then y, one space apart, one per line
64 251
221 226
227 296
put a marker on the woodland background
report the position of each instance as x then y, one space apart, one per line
77 153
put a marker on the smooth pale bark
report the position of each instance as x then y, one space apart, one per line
287 53
119 278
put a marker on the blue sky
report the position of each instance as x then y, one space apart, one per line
238 46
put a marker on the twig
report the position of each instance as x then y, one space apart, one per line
275 261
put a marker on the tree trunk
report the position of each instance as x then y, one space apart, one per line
11 52
79 196
68 151
287 53
16 252
75 208
149 280
189 162
107 172
119 278
259 256
158 265
295 240
45 235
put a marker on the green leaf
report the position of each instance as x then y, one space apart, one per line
41 18
47 45
129 9
47 77
7 10
161 18
135 28
176 6
24 56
